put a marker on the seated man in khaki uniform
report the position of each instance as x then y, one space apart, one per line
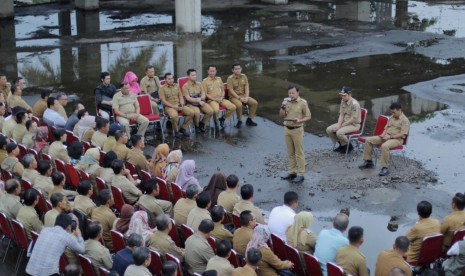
239 95
62 99
394 258
160 239
229 198
99 137
173 102
136 155
126 108
5 88
10 202
200 212
20 130
151 204
58 179
59 205
254 256
105 216
246 203
27 215
220 262
11 163
15 99
44 182
243 235
40 106
130 192
184 205
120 148
57 149
349 257
219 233
97 253
394 134
197 250
150 84
425 227
30 168
83 201
195 98
349 121
454 221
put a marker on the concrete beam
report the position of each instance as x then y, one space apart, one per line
87 5
276 2
7 10
188 16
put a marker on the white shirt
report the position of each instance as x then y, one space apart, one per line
281 217
53 118
454 250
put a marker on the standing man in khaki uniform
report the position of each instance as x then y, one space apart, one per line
195 98
127 109
394 258
349 257
394 134
239 95
214 88
295 112
454 221
173 101
349 121
150 85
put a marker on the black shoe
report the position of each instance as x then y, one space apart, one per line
384 171
202 127
342 149
197 129
239 124
178 135
368 164
351 148
298 179
289 176
249 122
184 132
338 149
221 122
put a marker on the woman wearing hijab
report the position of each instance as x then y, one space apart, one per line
159 160
299 236
270 263
186 175
122 224
140 225
84 128
133 81
171 170
90 163
216 185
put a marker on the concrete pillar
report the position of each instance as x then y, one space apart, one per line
87 5
64 22
188 16
189 55
87 22
401 18
276 2
8 9
8 62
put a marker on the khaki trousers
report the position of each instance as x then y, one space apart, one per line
252 103
173 115
230 108
141 121
207 111
376 140
340 134
295 150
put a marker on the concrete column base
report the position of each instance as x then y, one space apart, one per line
87 5
7 10
188 16
276 2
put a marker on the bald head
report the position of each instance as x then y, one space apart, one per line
341 221
11 185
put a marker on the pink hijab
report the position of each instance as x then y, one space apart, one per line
132 79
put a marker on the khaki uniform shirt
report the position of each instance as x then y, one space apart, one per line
2 120
44 184
135 270
150 85
28 139
244 271
109 143
98 254
8 127
50 217
395 126
84 204
39 108
220 233
12 164
30 220
213 87
62 111
296 110
193 90
196 216
153 206
98 138
6 90
121 151
228 199
30 175
66 193
452 222
18 133
106 217
350 109
352 261
423 228
387 260
130 192
244 205
182 209
270 263
170 93
125 103
137 157
163 244
57 151
241 238
238 84
10 205
14 100
94 170
221 265
308 245
3 155
197 253
107 175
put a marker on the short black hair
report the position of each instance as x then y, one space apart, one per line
459 201
76 150
117 166
11 147
20 116
30 196
104 196
57 178
109 158
424 209
203 199
206 226
253 256
402 243
150 66
217 213
119 133
101 122
246 217
189 71
3 141
56 198
76 107
58 133
235 64
64 220
168 268
44 93
103 75
168 74
150 185
29 124
223 248
140 255
136 138
232 181
16 80
247 191
81 113
290 198
212 66
14 88
44 166
292 86
93 230
122 84
162 222
50 101
84 187
396 106
355 234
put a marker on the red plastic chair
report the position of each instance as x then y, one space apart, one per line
26 185
156 263
312 265
182 81
212 242
132 169
86 145
279 247
430 250
118 240
186 232
46 157
22 151
379 128
6 175
36 120
101 185
177 192
34 152
103 271
42 205
145 105
294 256
118 198
458 236
163 188
172 258
86 265
21 240
63 263
72 176
70 138
234 259
61 167
353 136
102 156
174 234
34 237
83 175
51 129
334 269
144 176
5 225
236 221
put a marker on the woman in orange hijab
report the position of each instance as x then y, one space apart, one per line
159 160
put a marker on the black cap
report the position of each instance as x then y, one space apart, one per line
345 90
